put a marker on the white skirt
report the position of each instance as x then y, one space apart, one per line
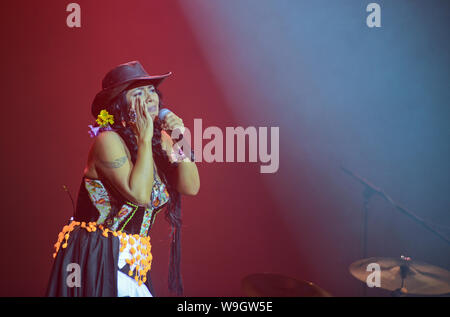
126 285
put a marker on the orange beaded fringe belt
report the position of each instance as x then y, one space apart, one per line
138 247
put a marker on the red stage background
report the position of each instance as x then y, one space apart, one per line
297 222
229 228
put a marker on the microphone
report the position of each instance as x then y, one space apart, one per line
162 114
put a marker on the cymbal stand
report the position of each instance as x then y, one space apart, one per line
369 191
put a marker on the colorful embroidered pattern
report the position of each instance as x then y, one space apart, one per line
100 198
124 211
160 196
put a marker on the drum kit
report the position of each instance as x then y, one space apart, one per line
401 276
276 285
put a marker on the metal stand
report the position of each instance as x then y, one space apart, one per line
369 191
404 270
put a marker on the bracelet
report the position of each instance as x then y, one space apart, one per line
182 157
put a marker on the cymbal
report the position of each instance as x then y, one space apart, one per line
418 277
275 285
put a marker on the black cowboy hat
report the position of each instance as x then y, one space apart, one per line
119 79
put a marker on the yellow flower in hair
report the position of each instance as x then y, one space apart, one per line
104 118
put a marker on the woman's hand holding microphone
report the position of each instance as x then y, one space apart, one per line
171 121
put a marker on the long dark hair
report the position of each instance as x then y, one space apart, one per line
119 109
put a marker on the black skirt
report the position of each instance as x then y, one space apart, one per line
93 260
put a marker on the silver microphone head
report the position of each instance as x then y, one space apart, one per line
163 113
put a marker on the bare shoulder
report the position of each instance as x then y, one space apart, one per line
109 145
108 141
108 137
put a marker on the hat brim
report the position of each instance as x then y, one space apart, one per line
105 96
